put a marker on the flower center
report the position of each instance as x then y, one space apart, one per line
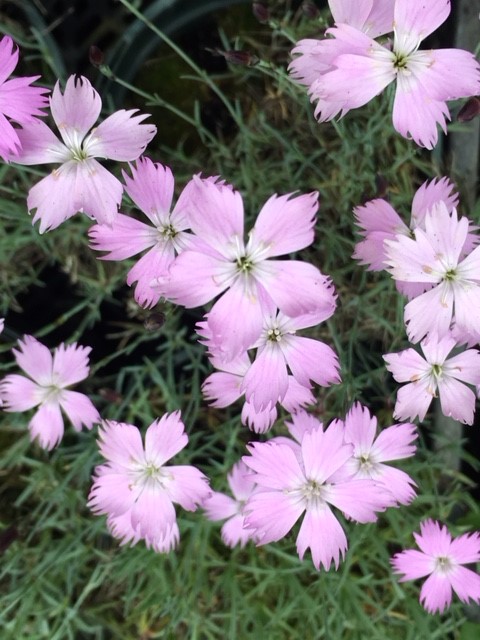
450 275
150 475
274 335
437 370
443 564
167 232
400 62
244 264
313 493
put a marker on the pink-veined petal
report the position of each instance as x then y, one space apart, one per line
70 364
412 564
165 438
47 425
120 136
79 409
272 514
466 584
414 400
266 382
322 533
276 466
76 111
456 400
189 487
123 239
40 145
436 593
310 359
35 359
430 312
151 188
414 21
19 393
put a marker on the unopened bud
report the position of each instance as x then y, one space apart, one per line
470 110
261 12
154 321
96 56
243 58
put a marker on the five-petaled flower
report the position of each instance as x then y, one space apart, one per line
137 490
80 183
441 558
46 386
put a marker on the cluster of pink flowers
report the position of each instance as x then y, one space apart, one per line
196 253
342 466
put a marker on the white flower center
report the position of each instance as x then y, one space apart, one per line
443 564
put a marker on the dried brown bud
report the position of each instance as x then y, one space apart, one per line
154 321
470 110
96 56
310 9
260 11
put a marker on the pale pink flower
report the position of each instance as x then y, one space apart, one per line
435 374
46 387
245 273
137 490
314 58
441 558
225 386
19 101
310 482
425 80
80 183
370 453
151 189
434 258
378 220
220 506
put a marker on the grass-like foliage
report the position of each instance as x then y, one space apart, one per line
62 575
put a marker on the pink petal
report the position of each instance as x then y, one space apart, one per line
272 514
433 539
21 102
120 443
75 186
241 481
359 499
466 584
297 396
467 309
146 272
297 287
70 364
222 389
121 527
152 513
124 239
266 382
324 452
8 57
19 393
310 359
429 195
165 438
360 428
258 421
436 593
35 359
47 425
111 493
189 487
120 136
285 223
194 279
414 21
466 548
151 189
79 409
397 482
216 213
395 442
414 400
464 366
235 321
10 144
430 312
235 532
406 366
456 400
413 564
39 145
321 531
219 506
76 111
275 465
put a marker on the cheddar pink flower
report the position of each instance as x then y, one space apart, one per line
425 80
434 258
309 482
151 189
19 101
441 558
137 490
221 262
80 183
435 374
46 387
370 453
220 506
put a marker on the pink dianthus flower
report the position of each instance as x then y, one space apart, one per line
46 386
137 490
151 189
220 506
309 481
80 183
441 558
435 374
19 101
